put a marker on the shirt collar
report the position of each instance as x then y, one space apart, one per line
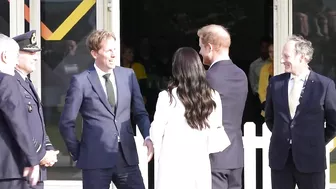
21 74
100 72
217 61
302 77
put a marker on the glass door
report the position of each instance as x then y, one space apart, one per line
62 28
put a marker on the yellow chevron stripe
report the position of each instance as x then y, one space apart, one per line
72 19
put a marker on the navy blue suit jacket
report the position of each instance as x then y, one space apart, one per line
98 147
16 144
231 83
306 129
35 120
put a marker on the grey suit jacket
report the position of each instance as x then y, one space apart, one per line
231 83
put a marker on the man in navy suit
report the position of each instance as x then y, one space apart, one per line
105 95
298 104
18 157
231 83
27 60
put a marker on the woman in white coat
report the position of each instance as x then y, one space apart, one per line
187 126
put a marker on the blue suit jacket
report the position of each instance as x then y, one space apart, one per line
306 129
98 147
35 121
16 143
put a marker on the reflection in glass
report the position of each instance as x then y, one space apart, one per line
61 58
316 21
4 17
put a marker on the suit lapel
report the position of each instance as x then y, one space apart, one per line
117 77
25 86
285 92
36 97
96 84
307 91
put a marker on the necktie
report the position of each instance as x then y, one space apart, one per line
31 86
109 89
294 95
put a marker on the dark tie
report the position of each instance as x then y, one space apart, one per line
31 86
109 89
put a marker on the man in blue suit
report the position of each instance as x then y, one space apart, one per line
105 95
231 83
298 104
27 64
18 157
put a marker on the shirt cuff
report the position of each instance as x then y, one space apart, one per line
147 138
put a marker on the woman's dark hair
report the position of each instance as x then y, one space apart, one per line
192 87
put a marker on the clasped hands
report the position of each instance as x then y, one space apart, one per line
50 158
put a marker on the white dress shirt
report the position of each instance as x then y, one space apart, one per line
102 81
301 79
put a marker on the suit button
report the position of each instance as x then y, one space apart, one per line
292 126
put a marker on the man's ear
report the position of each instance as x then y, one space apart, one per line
210 47
3 57
303 58
94 54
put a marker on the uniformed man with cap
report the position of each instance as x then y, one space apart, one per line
27 63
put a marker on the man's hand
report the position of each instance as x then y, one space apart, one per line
33 174
50 158
150 149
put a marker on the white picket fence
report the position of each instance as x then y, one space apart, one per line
251 143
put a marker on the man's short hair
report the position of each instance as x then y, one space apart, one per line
303 47
94 40
7 43
216 35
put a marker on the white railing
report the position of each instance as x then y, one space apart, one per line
251 143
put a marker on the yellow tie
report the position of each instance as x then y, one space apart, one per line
294 95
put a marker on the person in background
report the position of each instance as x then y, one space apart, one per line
266 73
127 61
256 65
187 126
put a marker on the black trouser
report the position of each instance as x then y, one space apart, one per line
290 176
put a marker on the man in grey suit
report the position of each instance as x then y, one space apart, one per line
231 83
